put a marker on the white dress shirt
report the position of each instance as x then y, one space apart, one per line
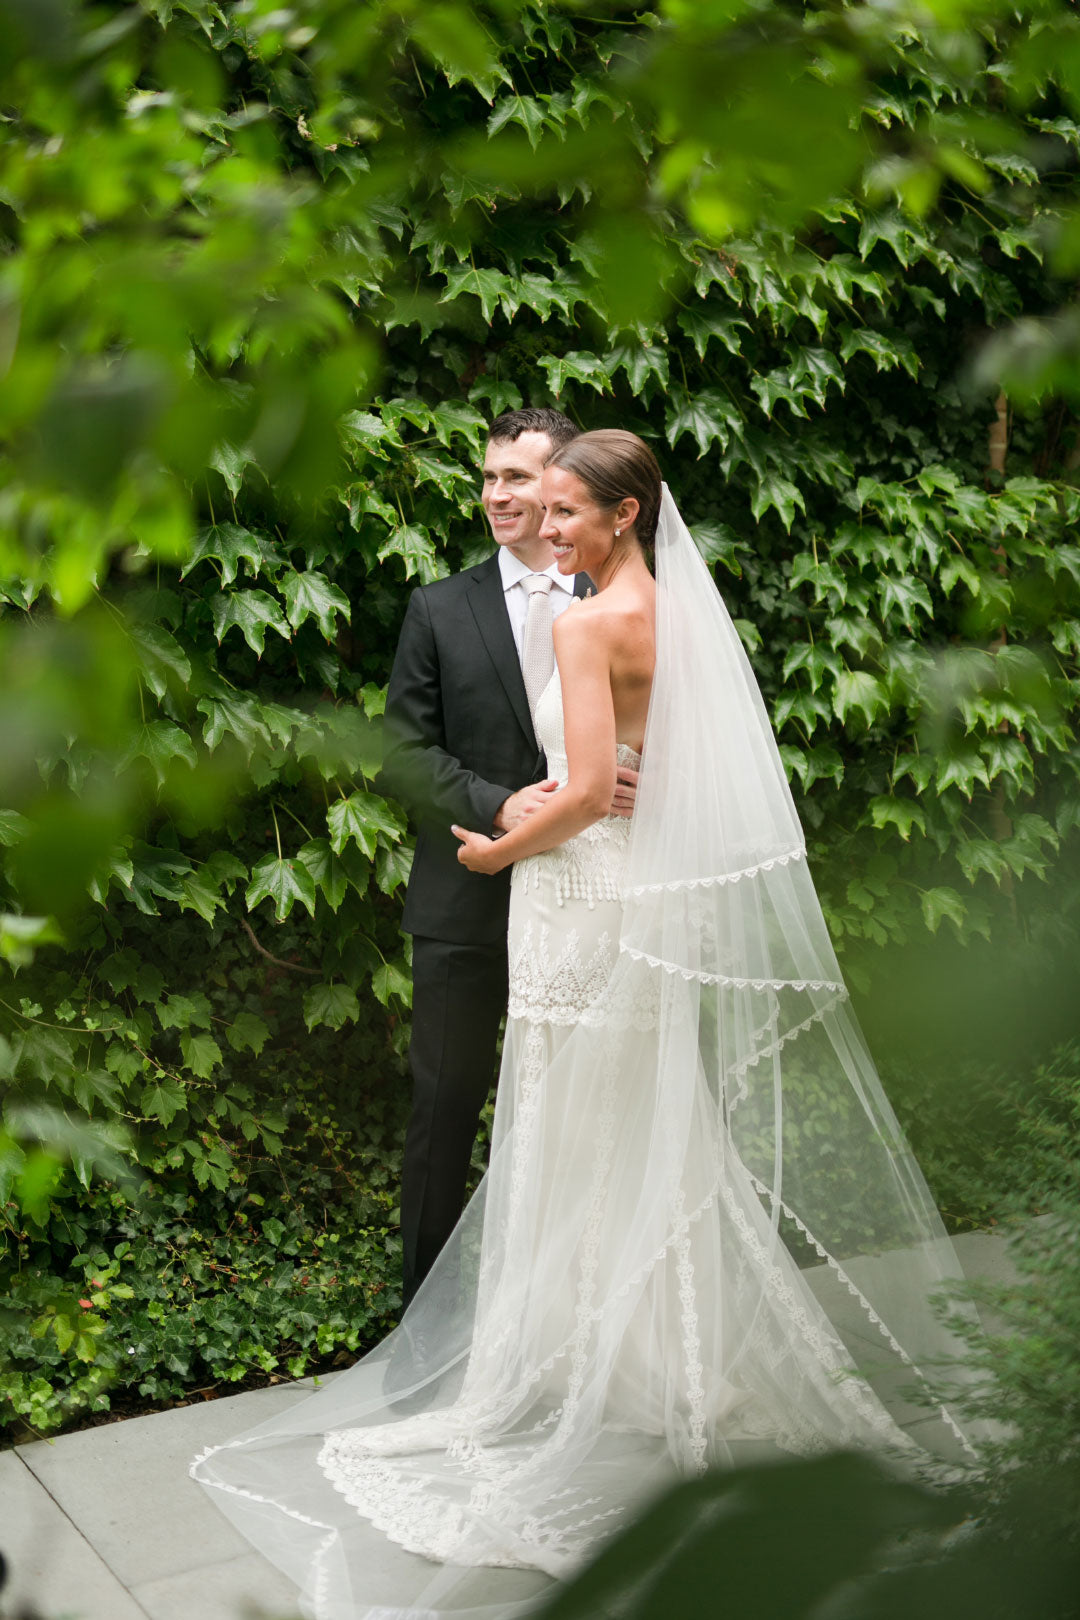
513 571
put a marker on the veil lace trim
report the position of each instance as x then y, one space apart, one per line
670 885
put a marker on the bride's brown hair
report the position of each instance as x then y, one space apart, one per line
613 465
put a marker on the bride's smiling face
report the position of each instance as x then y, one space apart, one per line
581 533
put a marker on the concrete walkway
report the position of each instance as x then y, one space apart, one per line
106 1525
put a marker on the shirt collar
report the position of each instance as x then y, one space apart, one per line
513 571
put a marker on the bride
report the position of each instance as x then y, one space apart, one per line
702 1238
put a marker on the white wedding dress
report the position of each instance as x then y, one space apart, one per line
685 1111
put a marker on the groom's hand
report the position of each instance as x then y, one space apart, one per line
523 803
626 781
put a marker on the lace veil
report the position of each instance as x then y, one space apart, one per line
701 1237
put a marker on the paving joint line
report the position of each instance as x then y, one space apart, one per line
83 1537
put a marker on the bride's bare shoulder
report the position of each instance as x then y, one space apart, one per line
608 613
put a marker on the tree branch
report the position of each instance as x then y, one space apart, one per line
293 967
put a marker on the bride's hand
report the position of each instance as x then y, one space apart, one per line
477 852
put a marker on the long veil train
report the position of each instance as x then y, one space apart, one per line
701 1237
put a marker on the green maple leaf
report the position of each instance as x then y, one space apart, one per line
413 544
524 110
920 768
160 742
897 231
905 593
92 1086
806 707
818 661
823 763
392 867
961 768
311 596
454 419
973 506
776 385
718 543
959 568
417 412
640 361
447 476
541 294
501 396
247 1033
818 369
253 613
163 1098
779 493
1008 756
282 881
201 895
701 326
238 717
160 655
858 689
363 500
230 463
364 431
938 904
903 814
156 875
456 43
228 545
333 871
184 1012
886 352
13 827
282 722
709 415
123 1062
487 285
388 980
202 1054
330 1004
575 367
360 819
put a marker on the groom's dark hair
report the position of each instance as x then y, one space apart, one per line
512 424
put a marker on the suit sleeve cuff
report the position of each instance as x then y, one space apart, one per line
489 800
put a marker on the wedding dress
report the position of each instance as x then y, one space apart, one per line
701 1237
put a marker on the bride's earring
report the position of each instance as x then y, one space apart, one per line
617 533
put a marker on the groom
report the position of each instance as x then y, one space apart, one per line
461 748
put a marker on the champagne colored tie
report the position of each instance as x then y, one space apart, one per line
538 651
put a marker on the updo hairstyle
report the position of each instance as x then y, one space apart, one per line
614 465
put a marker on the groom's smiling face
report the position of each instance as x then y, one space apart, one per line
511 493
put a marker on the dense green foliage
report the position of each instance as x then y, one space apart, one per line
266 274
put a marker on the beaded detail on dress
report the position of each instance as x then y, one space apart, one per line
566 902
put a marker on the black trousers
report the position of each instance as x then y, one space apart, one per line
459 998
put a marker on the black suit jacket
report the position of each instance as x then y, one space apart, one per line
459 741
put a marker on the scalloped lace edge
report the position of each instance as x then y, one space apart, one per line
720 878
857 1294
735 984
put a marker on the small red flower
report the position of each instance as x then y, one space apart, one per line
87 1304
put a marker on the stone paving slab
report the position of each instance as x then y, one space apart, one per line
244 1588
126 1486
52 1568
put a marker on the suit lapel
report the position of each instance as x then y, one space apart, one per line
488 606
583 585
